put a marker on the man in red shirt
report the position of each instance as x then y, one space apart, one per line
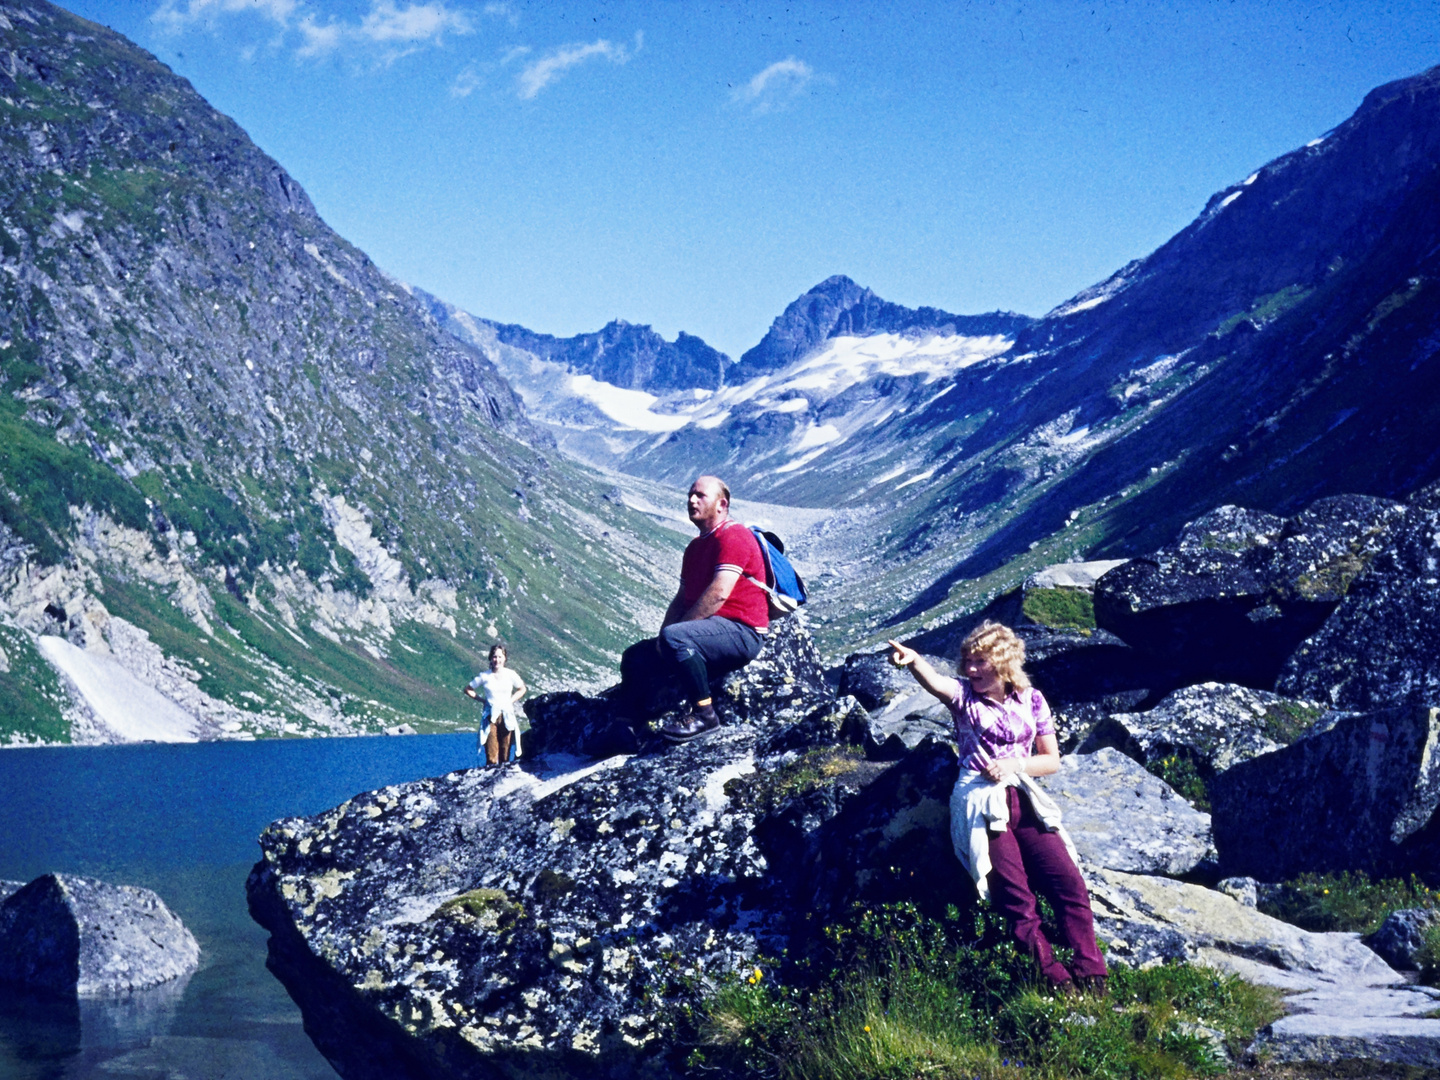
715 622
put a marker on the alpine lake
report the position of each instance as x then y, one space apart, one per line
181 819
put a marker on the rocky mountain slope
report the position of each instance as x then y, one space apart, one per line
1280 348
240 464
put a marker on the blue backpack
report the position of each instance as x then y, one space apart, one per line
783 586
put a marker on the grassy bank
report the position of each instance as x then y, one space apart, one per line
896 995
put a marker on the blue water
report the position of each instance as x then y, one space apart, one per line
181 820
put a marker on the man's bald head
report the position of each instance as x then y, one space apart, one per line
708 502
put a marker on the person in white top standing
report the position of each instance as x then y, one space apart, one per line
502 688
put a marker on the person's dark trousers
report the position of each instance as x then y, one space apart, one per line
690 655
1026 859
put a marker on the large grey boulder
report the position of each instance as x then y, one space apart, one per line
1239 589
1073 575
1402 935
1381 646
77 935
873 681
1213 726
1086 675
1145 919
548 919
1360 796
1343 1002
905 723
1123 818
783 684
901 714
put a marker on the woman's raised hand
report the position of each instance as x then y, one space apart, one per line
900 656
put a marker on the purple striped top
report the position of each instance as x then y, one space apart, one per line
985 731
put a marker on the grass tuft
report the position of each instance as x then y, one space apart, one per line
899 996
1060 609
1348 901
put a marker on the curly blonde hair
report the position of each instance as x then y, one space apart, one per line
1003 648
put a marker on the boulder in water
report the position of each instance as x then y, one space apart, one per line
77 935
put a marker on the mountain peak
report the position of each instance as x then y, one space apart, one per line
837 307
628 355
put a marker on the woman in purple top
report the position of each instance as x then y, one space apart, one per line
1006 735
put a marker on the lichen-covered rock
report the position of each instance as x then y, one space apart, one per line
77 935
873 681
1240 589
1344 1003
1212 725
783 684
1402 935
549 919
904 723
780 687
1146 919
1381 646
1361 796
1122 818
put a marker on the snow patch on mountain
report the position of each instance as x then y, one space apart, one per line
629 408
847 361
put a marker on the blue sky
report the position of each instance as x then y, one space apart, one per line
696 166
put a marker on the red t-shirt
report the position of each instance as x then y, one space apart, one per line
730 546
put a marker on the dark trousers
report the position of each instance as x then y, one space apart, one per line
690 654
1026 859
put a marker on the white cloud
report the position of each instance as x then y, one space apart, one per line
776 86
514 53
542 72
467 82
393 29
412 24
319 40
503 11
176 15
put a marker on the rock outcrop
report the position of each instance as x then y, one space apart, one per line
873 681
1402 935
1123 818
1360 796
533 921
1240 589
77 935
1212 726
1381 646
901 715
784 684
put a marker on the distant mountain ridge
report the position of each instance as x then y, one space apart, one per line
838 307
628 356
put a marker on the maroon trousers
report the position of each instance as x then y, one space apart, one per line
1024 860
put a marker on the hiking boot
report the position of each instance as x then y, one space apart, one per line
1096 986
1065 988
700 720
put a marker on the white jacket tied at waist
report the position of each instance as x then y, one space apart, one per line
979 808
